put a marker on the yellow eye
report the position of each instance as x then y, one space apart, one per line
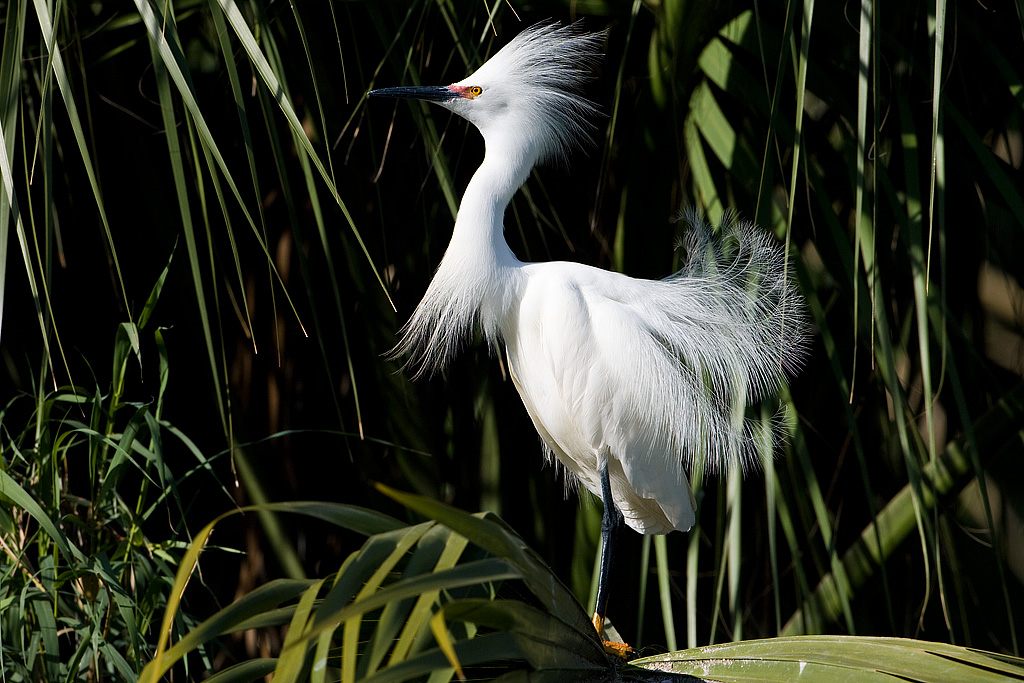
475 91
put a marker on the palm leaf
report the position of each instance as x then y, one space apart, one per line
838 658
400 576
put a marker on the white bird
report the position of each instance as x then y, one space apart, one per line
628 381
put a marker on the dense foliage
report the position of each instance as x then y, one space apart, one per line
205 185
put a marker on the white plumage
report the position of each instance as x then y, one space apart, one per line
641 376
645 375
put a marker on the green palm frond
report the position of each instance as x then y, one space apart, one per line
383 615
838 658
421 600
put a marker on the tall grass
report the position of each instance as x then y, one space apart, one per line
93 518
881 143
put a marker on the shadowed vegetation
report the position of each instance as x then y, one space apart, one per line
881 142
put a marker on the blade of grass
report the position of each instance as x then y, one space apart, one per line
56 63
22 498
950 471
243 121
721 550
817 309
719 134
775 119
242 32
890 378
178 171
163 37
10 83
771 502
664 590
937 26
864 61
245 672
13 214
803 587
975 448
279 157
645 570
733 558
825 524
490 647
693 556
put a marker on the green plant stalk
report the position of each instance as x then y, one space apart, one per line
10 81
884 352
274 57
979 476
770 494
948 473
56 67
243 121
734 538
272 527
692 559
177 162
645 565
664 591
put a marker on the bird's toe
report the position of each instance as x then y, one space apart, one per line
617 649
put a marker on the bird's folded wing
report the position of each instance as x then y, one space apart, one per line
599 386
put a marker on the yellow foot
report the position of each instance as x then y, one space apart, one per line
620 650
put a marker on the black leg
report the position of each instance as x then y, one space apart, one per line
611 522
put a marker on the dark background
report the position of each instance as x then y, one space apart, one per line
464 437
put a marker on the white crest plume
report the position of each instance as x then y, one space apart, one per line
543 71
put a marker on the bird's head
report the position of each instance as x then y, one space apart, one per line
527 97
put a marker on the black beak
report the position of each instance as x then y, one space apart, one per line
431 93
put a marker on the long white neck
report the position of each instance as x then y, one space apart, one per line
479 234
479 279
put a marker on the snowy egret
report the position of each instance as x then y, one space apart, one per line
628 381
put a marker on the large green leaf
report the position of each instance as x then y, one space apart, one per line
493 535
845 659
546 642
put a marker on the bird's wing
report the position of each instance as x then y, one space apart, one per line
592 378
641 425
